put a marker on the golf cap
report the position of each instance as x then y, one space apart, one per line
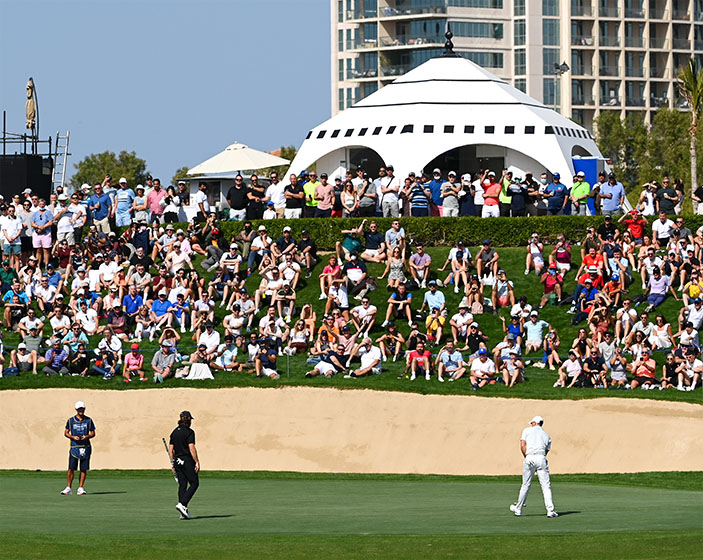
537 420
122 180
580 174
553 266
501 271
486 241
269 203
491 174
79 404
135 346
21 346
346 328
592 270
181 182
510 336
451 174
697 300
588 281
81 269
474 324
162 292
436 171
482 351
166 344
187 414
27 191
262 228
432 283
305 232
85 187
287 228
557 175
534 314
63 196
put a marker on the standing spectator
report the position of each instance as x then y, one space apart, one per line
171 205
477 188
295 198
238 200
667 197
309 189
390 190
557 196
503 199
276 193
612 196
450 195
491 193
647 203
519 196
200 200
348 200
367 194
11 228
42 220
420 199
435 188
124 199
183 194
101 207
324 194
579 195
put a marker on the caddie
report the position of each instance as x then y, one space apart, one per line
80 429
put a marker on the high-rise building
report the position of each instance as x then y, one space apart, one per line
580 56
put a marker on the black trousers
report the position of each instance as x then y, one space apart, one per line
187 479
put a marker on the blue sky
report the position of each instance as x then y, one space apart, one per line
174 81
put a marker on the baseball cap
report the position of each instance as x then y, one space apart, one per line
166 343
510 336
135 346
486 241
287 228
27 191
79 404
62 196
162 292
269 203
436 170
233 246
557 175
187 414
451 174
482 351
588 281
552 265
580 174
21 346
697 300
123 180
474 324
501 271
534 314
537 420
592 270
432 283
262 228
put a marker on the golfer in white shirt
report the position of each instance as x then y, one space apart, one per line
535 443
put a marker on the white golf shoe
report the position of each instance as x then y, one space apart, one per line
81 491
66 491
515 510
183 510
552 514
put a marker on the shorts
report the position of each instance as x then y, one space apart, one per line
268 372
490 211
76 464
67 235
14 249
124 219
371 252
293 213
642 379
41 241
324 368
563 267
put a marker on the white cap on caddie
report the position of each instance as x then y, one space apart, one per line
537 420
79 404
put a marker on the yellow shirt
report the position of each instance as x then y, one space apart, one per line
309 190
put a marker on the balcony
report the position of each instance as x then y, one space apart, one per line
658 13
698 45
635 101
582 40
657 72
408 41
609 41
361 43
395 70
609 71
659 101
634 13
634 72
364 74
682 44
682 15
582 70
609 12
634 42
585 100
655 43
428 8
361 14
581 11
611 100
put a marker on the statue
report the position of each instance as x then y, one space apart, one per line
31 106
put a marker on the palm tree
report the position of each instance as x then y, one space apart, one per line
690 82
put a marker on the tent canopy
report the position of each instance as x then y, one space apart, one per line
237 157
442 105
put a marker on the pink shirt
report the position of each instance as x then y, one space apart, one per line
153 199
134 361
325 195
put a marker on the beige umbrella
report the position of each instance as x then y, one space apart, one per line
31 106
237 157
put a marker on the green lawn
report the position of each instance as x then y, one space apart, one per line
269 515
539 384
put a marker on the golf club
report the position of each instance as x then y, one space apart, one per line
169 457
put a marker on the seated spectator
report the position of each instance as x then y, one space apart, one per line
553 283
299 339
395 237
161 313
483 370
226 356
514 328
266 360
306 254
656 289
434 298
689 372
260 246
595 369
133 365
669 373
56 359
24 360
460 324
512 369
502 350
210 338
643 369
648 264
570 370
370 357
330 364
419 265
331 272
29 321
535 255
661 337
618 369
395 269
419 362
284 299
561 254
391 343
284 245
534 333
349 244
434 326
503 293
74 337
459 275
487 260
552 342
399 305
364 317
274 328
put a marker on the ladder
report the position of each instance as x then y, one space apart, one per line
58 175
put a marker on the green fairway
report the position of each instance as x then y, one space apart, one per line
315 516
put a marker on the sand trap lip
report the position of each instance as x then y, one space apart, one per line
364 431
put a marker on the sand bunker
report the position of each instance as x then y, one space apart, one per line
328 430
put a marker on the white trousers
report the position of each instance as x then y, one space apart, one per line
535 464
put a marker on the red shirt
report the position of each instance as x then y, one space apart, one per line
596 261
415 355
490 194
551 281
636 226
597 281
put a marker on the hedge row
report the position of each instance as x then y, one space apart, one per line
503 232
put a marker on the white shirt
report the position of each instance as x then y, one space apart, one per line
87 319
537 440
199 197
65 225
462 320
662 229
57 323
478 189
365 312
212 340
368 357
10 227
695 315
274 325
275 194
79 214
29 323
390 183
483 368
289 270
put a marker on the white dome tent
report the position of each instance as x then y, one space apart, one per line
448 104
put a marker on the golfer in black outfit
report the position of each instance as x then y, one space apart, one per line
184 462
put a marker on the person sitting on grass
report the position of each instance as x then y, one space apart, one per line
595 369
399 305
514 327
482 371
226 356
330 273
330 364
350 243
618 369
689 372
534 334
23 360
160 313
56 359
163 362
502 293
643 370
364 317
133 365
656 289
370 357
375 244
512 369
460 323
460 272
552 342
299 339
391 343
395 269
434 326
502 350
450 363
553 283
570 370
419 362
487 260
266 360
535 255
79 361
420 263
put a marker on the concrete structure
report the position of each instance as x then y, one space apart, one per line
452 114
622 54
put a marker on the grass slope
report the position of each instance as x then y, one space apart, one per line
539 383
132 515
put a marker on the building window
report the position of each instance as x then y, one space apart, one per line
519 32
550 32
448 128
485 59
340 70
368 89
428 129
550 57
519 8
521 84
481 29
351 71
340 40
550 7
492 4
550 93
340 104
520 62
350 39
340 11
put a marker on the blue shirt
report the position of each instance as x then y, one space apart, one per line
557 201
123 200
132 304
42 218
451 360
105 205
611 204
435 187
434 300
82 338
78 427
56 358
22 295
54 279
160 307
